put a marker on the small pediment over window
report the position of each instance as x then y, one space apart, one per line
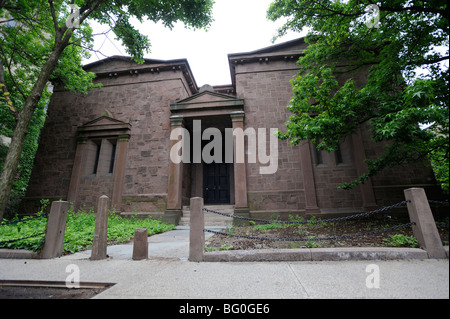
104 126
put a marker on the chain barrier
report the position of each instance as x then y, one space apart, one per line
442 203
13 222
313 238
338 219
437 202
18 239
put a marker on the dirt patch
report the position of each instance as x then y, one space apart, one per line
310 232
17 289
19 292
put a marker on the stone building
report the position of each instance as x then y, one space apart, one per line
116 141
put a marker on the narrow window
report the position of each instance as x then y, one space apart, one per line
97 158
338 154
113 158
318 154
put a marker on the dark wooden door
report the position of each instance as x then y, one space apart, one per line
216 183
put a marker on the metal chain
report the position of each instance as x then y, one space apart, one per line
345 218
19 221
437 202
442 224
313 238
14 240
24 220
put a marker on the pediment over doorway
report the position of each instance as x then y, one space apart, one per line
206 103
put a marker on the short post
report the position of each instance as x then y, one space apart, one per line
425 229
140 244
99 244
56 226
196 235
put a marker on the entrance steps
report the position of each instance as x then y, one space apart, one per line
211 219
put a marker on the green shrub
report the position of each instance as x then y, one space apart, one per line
400 240
79 232
266 227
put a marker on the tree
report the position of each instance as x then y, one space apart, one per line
402 45
47 41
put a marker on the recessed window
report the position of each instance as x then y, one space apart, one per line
338 155
317 155
101 157
113 157
97 157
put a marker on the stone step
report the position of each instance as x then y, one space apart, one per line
211 219
168 219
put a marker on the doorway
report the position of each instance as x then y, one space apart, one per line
216 183
212 180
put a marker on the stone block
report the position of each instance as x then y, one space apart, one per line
56 225
140 244
196 233
366 253
425 229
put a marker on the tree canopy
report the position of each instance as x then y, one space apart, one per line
401 45
43 41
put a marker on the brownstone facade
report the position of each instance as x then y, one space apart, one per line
116 142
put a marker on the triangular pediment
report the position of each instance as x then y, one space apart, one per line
207 97
104 120
207 102
104 126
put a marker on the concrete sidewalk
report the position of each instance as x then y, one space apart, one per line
167 274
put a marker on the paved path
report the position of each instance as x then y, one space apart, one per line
167 274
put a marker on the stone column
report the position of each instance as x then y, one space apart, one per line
367 193
77 171
309 184
240 169
174 196
119 170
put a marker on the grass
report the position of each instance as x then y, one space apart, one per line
79 231
400 240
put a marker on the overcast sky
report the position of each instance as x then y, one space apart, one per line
239 26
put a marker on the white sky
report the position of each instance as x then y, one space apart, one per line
239 26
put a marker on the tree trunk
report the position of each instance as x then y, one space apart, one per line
23 121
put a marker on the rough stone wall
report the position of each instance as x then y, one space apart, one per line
266 90
330 173
141 100
389 184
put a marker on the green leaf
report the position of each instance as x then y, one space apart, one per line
352 75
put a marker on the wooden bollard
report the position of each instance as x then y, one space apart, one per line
140 245
99 245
